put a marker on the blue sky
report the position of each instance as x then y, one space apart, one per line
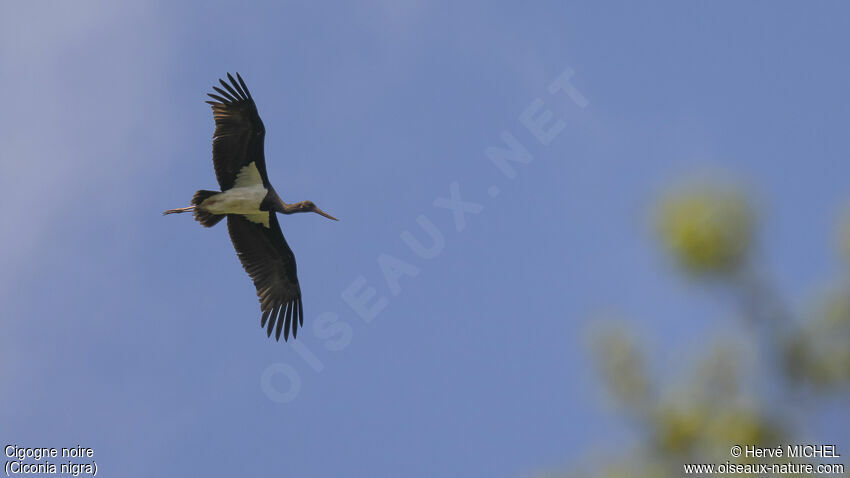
138 335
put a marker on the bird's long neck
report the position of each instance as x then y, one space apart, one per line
290 208
273 202
285 208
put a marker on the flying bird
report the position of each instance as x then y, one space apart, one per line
250 204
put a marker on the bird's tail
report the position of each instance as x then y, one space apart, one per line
207 219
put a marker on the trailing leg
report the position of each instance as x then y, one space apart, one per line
179 210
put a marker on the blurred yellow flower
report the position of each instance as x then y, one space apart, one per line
678 426
741 425
707 229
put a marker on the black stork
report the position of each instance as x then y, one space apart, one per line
250 204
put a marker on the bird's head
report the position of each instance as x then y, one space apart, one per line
309 206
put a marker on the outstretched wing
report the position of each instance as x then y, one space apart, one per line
239 132
269 261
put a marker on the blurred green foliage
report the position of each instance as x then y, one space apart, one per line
753 388
819 354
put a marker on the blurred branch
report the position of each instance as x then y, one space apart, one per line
708 231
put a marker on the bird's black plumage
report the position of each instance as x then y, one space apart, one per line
271 264
239 132
262 249
250 204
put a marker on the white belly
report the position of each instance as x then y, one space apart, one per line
239 200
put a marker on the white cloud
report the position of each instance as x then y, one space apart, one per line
71 75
